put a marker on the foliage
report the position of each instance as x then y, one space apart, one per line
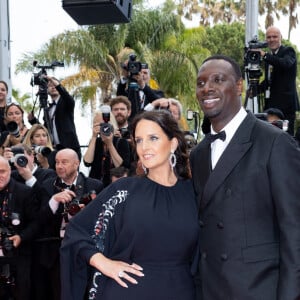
228 40
173 52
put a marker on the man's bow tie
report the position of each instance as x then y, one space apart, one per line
220 135
52 104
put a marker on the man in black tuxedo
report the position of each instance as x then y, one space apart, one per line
61 117
18 211
246 181
280 77
54 216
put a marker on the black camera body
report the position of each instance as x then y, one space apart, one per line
252 58
40 80
125 133
5 243
133 67
19 157
73 207
6 231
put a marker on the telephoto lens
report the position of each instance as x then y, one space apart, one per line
13 129
45 151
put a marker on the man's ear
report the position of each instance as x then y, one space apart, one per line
239 86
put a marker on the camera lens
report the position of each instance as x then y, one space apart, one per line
45 151
254 57
21 160
13 128
106 128
15 219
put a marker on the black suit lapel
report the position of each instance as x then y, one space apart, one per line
201 167
234 152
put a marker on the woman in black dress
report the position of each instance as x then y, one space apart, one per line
138 239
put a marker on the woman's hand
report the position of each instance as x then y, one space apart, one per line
117 270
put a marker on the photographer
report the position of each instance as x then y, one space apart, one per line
16 129
18 210
61 194
105 150
61 116
275 117
38 139
25 169
279 85
121 109
134 84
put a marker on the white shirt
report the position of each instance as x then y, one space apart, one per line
218 146
53 203
52 119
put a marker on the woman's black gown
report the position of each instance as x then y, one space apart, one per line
134 220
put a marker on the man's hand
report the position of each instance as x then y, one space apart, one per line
8 154
25 172
140 80
64 196
16 239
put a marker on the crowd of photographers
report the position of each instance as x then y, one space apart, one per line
41 186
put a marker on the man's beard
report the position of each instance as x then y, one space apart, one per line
121 120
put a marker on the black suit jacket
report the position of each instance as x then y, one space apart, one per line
40 174
23 202
249 212
64 120
150 95
283 92
49 239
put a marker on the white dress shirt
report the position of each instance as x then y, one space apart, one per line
218 146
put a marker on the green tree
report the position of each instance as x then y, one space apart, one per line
97 50
22 100
211 12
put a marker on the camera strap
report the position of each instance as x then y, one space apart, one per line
5 199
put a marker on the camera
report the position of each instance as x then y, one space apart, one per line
125 133
106 128
133 67
13 129
5 243
73 207
252 58
19 158
40 80
45 151
6 231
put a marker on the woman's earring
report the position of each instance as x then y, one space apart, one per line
145 169
172 160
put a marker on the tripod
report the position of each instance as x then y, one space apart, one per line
253 98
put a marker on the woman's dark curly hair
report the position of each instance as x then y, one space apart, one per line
170 127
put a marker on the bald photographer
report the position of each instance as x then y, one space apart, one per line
279 85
